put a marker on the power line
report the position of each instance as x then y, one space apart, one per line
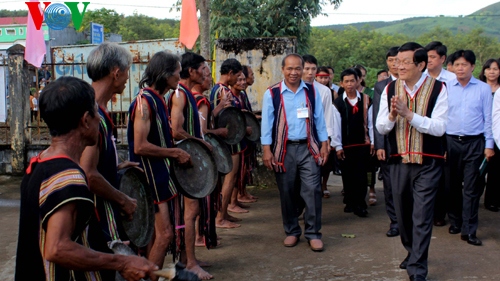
412 15
107 4
132 5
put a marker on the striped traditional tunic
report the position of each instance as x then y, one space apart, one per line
47 185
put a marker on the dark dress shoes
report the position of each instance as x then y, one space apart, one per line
404 263
439 222
417 277
392 232
471 239
360 212
454 229
491 208
348 209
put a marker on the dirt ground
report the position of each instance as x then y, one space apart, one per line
255 250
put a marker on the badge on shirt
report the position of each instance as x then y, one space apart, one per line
302 112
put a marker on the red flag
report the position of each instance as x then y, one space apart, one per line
189 24
35 43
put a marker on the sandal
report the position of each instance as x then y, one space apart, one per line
372 200
326 194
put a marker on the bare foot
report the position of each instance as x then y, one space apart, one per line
226 224
236 209
202 244
244 199
199 243
203 263
241 205
232 219
202 274
250 196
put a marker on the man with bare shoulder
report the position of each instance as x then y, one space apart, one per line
229 72
107 66
185 122
56 203
207 236
151 144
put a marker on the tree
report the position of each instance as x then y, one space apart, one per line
14 13
204 7
110 19
266 18
141 27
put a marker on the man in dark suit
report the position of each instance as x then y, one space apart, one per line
380 140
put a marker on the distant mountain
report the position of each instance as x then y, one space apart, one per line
485 18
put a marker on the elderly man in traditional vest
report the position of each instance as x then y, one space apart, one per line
295 145
413 113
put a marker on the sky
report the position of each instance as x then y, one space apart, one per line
350 11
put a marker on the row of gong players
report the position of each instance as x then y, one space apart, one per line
213 137
61 218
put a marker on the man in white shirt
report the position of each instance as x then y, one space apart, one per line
496 117
334 87
436 57
309 76
380 142
413 113
353 141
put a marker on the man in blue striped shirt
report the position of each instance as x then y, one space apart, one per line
469 141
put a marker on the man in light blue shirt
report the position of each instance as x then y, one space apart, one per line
436 56
295 144
469 141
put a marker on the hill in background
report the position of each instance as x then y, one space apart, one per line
486 18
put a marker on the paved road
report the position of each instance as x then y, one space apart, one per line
255 252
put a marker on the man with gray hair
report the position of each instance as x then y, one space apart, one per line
107 66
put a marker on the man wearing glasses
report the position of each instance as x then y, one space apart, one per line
413 115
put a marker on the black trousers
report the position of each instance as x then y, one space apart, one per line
414 187
463 160
302 177
492 193
354 175
389 200
440 204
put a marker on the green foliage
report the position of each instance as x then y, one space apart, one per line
109 18
14 13
135 27
141 27
266 18
485 18
344 48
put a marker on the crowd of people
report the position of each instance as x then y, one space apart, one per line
430 131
